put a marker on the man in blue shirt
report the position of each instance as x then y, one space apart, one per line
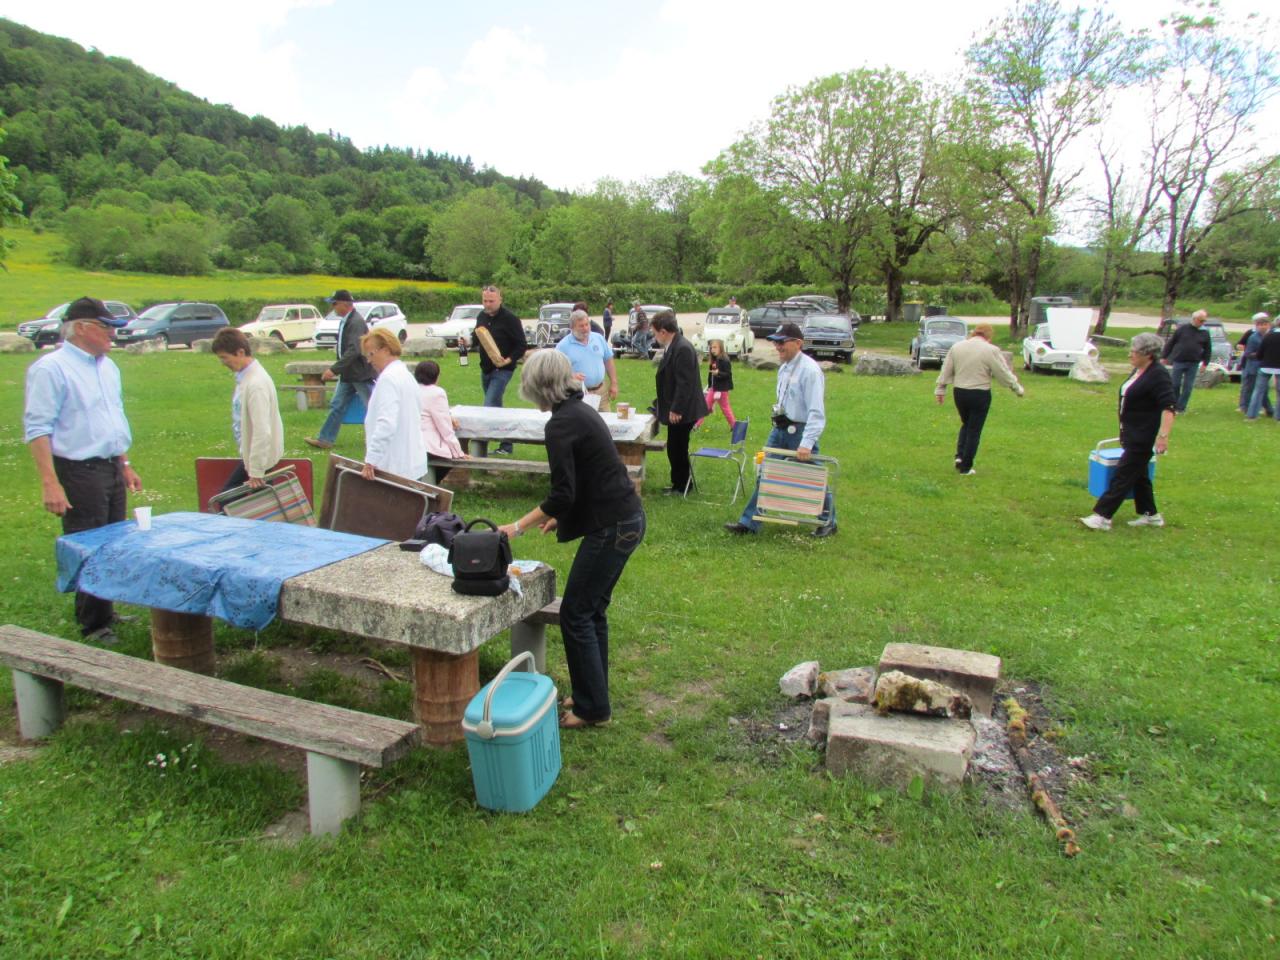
591 358
75 427
799 416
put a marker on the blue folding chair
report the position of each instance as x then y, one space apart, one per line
736 453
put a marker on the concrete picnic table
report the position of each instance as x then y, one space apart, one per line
380 592
480 426
311 395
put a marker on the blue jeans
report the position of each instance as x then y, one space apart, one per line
1184 381
783 440
342 396
601 557
1260 399
495 385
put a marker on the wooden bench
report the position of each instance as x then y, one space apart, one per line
310 396
508 465
337 741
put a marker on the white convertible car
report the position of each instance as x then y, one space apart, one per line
1061 342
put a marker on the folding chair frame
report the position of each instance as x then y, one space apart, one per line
736 452
805 481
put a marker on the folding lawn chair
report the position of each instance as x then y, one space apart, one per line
735 453
792 491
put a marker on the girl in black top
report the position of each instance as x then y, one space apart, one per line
719 381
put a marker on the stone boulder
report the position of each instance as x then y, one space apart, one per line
145 346
855 685
820 719
265 345
205 345
830 366
896 691
12 343
424 347
764 363
896 749
1211 376
879 365
800 681
1089 370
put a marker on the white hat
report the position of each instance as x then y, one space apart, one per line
1260 316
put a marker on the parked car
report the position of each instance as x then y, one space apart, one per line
728 324
290 323
764 320
553 324
1059 343
47 331
460 323
828 335
1220 349
376 313
935 338
621 338
824 303
176 323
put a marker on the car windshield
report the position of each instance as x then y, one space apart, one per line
158 312
465 313
1216 333
955 328
729 317
556 312
1041 332
828 322
271 313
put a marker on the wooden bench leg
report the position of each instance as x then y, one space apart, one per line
443 685
632 454
41 708
531 637
333 792
316 398
183 640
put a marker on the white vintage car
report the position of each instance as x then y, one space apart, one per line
729 325
290 323
460 323
1061 342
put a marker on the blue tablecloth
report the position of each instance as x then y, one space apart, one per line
200 563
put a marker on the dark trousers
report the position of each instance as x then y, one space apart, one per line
1184 381
601 557
1131 474
96 491
678 453
972 405
238 476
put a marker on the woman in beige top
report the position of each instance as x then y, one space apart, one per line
969 368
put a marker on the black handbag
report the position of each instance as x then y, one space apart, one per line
480 559
439 528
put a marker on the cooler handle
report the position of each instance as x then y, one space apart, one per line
484 729
1110 440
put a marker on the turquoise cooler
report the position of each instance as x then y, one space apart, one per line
513 738
1102 467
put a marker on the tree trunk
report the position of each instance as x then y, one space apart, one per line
893 279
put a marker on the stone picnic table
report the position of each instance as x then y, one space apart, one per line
311 392
480 426
379 591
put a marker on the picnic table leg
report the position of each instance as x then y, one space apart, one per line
632 454
183 640
531 637
443 685
333 792
41 708
315 395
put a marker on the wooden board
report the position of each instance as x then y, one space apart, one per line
387 506
333 731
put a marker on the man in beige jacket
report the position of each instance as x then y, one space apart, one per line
970 367
255 411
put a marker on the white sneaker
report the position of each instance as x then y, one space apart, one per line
970 473
1096 522
1148 520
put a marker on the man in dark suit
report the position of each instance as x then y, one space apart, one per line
352 370
680 401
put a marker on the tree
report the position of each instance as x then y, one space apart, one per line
743 226
1123 216
471 238
1048 73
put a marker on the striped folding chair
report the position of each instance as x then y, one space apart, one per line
792 491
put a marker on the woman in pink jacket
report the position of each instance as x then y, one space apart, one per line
437 424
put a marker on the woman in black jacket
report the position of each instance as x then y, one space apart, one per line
1146 418
593 498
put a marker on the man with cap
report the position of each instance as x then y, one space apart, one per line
352 370
75 427
1250 362
499 336
799 416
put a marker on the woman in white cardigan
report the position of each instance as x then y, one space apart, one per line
438 425
255 412
392 436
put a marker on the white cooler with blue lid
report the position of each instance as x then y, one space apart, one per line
513 738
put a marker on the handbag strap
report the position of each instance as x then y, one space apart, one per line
492 526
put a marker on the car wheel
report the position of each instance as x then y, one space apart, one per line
404 335
277 335
1026 363
163 340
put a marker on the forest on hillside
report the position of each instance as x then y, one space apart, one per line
873 179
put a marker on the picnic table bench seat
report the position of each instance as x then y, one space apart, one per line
509 465
337 741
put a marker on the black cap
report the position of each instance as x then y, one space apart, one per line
786 331
87 308
341 295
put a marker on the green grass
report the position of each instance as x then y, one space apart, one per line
38 278
669 833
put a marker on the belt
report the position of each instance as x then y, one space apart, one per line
596 387
85 460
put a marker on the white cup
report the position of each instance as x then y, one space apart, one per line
624 411
143 516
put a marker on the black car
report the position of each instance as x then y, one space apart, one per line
765 320
174 323
47 331
828 335
824 303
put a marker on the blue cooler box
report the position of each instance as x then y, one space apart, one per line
1102 467
513 739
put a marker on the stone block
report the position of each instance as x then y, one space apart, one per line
879 365
13 343
900 692
801 680
820 718
855 685
424 347
1088 370
965 671
893 750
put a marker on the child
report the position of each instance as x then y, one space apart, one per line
437 424
719 381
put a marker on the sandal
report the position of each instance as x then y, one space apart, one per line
571 721
567 702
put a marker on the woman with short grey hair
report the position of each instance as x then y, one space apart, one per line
591 497
1146 418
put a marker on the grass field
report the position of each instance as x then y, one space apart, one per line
671 832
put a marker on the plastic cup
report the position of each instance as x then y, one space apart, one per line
143 516
624 411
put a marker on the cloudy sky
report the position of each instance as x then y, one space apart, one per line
568 91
